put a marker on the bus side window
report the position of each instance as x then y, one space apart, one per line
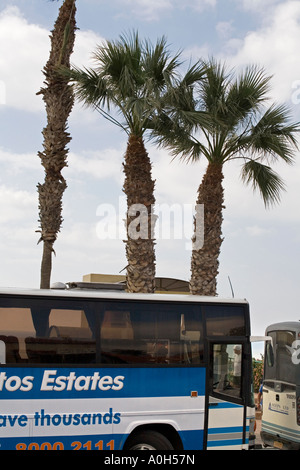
15 325
151 333
2 352
116 325
192 339
119 342
68 339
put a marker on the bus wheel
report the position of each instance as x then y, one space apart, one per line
149 440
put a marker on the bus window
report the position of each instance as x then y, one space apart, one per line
145 333
227 369
46 336
286 370
129 333
68 340
269 363
225 320
116 325
15 325
2 352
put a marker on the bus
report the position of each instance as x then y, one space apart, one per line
103 369
281 387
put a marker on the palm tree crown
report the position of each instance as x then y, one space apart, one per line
130 77
236 126
228 121
127 87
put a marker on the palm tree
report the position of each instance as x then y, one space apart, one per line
59 99
130 79
236 125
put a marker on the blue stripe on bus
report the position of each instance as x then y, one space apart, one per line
228 439
26 383
230 442
282 431
192 440
226 430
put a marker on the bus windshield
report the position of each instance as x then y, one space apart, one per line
282 368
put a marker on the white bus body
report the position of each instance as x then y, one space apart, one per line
116 371
281 387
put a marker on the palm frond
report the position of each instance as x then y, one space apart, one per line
245 95
170 134
273 136
263 178
213 88
195 74
174 123
119 63
158 64
92 91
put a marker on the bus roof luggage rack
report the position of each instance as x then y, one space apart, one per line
97 285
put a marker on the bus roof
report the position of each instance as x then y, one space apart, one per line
115 294
286 325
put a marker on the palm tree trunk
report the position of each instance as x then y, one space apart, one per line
50 205
204 263
140 221
59 99
46 265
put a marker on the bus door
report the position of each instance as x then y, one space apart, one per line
226 409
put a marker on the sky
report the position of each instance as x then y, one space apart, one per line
260 251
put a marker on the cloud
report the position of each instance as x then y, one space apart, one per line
98 165
243 203
257 5
176 181
146 10
257 231
85 44
275 46
152 10
16 206
224 29
24 51
17 162
198 5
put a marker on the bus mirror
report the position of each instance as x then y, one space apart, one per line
255 339
2 352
